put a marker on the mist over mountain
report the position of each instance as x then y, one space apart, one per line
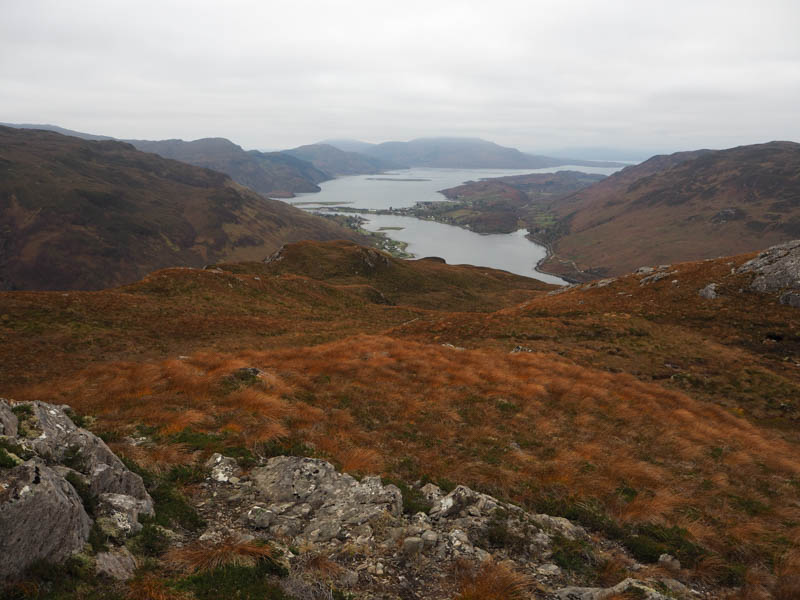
459 153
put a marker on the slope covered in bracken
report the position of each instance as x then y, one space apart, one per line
77 214
686 206
660 419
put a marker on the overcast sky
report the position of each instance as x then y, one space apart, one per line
538 75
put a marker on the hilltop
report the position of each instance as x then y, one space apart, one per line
684 206
270 173
338 162
81 214
658 409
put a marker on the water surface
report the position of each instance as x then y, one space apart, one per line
403 188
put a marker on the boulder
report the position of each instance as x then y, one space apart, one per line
669 562
41 517
413 545
629 587
120 514
310 500
222 468
775 269
117 564
709 292
60 441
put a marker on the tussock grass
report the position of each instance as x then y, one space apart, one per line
492 581
201 556
373 404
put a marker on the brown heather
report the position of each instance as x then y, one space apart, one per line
646 402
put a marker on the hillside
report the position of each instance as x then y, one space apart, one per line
504 204
661 419
92 214
57 129
685 206
270 173
336 162
461 153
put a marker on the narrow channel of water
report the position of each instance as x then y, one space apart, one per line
403 188
508 251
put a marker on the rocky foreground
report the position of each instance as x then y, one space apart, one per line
61 488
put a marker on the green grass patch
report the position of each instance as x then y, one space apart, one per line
573 555
413 499
239 582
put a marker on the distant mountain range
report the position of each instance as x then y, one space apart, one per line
298 170
337 162
682 206
459 153
276 174
81 214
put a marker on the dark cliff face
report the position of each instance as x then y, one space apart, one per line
81 214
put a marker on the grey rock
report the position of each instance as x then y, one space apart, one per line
669 562
656 277
549 570
430 538
121 513
709 292
559 525
60 441
675 586
453 503
641 589
775 269
432 493
117 564
413 545
259 517
644 270
223 468
8 420
311 500
41 517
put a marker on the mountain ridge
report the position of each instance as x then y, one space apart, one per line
90 214
702 203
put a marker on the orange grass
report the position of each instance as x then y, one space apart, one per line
204 556
493 581
513 425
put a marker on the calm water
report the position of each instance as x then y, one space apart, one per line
510 252
385 190
507 251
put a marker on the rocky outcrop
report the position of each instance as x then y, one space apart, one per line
307 498
632 588
42 515
777 269
378 549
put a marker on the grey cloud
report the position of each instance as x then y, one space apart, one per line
530 74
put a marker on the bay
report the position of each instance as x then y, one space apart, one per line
403 188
